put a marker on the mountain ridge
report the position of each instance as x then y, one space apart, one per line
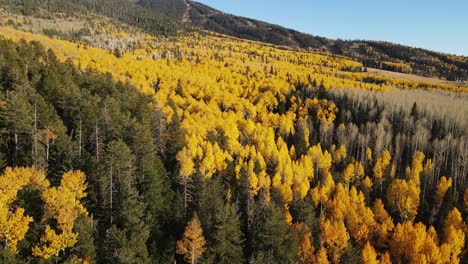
376 54
177 17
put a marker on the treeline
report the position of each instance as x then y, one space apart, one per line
375 54
399 58
163 18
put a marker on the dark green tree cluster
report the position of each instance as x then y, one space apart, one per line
56 117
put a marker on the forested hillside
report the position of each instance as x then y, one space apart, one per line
120 10
124 147
381 55
170 17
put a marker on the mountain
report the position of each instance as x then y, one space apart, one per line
375 54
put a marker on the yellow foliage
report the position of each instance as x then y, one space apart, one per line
338 154
321 193
334 237
403 197
369 154
381 165
321 256
192 245
305 252
348 174
368 255
367 183
413 243
442 186
385 258
13 223
61 203
384 223
414 172
187 166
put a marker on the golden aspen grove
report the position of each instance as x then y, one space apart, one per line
122 145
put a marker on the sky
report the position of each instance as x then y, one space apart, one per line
435 25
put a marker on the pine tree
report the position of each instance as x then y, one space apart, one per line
126 239
85 247
274 241
228 239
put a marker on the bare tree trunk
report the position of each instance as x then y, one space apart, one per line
34 150
16 142
111 190
80 138
47 149
193 255
96 135
185 196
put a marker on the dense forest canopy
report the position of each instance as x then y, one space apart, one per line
123 147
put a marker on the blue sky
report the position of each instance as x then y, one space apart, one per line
436 25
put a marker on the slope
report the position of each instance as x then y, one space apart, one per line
376 54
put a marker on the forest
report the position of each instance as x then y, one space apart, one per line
204 148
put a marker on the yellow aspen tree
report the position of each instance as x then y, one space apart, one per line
442 186
385 258
416 168
414 243
335 238
13 223
306 250
321 193
321 256
454 234
358 170
338 154
403 198
384 224
347 175
360 218
369 155
367 183
381 164
192 245
325 163
63 204
15 228
368 255
187 168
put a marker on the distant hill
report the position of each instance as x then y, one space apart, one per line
171 17
375 54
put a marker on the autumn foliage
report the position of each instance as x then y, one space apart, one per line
61 203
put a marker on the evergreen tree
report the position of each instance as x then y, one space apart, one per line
84 248
228 236
274 241
126 239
